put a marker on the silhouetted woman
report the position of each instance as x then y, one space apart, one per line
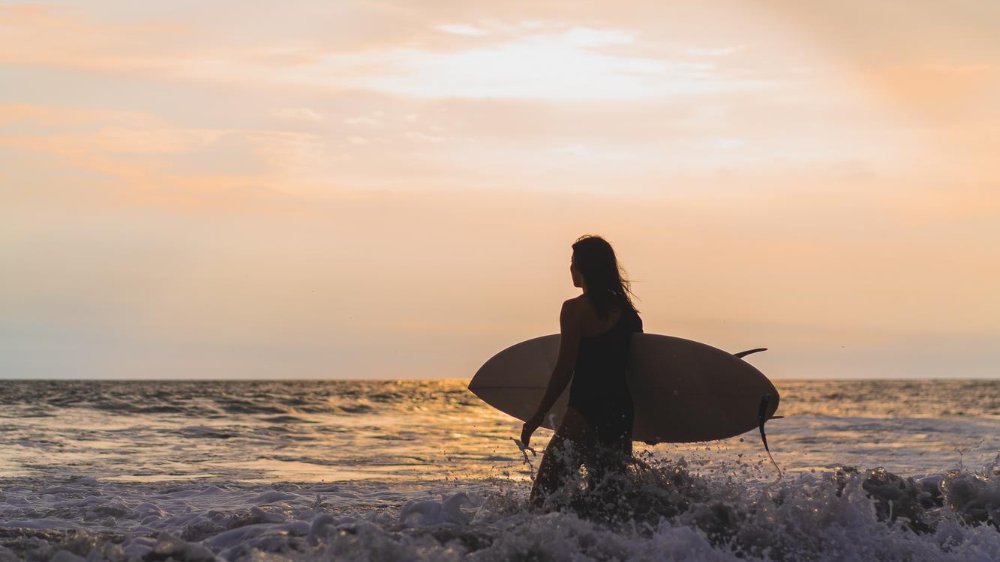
596 329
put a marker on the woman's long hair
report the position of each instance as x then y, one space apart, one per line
606 284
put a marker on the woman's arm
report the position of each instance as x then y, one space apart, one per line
569 345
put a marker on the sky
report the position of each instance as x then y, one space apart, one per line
390 189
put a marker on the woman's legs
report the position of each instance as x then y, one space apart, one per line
570 445
611 452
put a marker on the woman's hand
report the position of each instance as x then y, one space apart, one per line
529 427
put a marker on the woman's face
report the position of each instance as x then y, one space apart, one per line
575 274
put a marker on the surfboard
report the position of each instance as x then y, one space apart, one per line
683 391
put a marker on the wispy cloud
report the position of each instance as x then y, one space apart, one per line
545 67
462 29
591 37
712 51
61 37
299 114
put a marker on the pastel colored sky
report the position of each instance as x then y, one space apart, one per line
390 189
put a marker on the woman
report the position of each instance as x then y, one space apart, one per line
596 329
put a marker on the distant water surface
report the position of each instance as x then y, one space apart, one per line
427 430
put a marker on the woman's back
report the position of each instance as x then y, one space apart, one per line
599 390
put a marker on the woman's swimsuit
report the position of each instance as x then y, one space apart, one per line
599 390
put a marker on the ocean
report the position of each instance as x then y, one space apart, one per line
423 470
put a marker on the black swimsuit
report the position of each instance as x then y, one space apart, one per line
599 390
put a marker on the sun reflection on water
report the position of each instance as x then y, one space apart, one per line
432 430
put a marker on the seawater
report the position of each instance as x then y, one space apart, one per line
422 470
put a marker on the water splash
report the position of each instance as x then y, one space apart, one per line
663 509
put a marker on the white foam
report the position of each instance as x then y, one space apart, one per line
672 513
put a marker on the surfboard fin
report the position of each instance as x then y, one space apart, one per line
762 418
743 354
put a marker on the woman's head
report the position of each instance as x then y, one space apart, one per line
595 268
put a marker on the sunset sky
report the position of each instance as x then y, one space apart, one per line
390 189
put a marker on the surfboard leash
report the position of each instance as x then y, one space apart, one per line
765 401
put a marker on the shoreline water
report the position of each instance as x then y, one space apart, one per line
843 515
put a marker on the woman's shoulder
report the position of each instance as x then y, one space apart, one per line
575 306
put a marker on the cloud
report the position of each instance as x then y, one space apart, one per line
462 29
545 60
299 114
143 159
712 51
590 37
70 38
545 67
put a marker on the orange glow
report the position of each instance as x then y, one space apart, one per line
391 190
